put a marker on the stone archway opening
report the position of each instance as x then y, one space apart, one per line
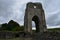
33 26
35 19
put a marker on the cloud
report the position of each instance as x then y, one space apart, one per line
52 12
53 19
19 11
5 10
15 9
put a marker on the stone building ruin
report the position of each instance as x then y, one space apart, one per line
34 12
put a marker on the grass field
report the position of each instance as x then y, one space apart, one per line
13 39
54 29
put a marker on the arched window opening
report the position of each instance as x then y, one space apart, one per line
35 22
33 26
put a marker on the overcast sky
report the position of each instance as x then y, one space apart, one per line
15 9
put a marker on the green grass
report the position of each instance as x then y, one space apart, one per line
13 39
54 29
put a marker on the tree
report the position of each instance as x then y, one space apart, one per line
21 28
13 26
4 26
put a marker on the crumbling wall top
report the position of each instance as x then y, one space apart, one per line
34 5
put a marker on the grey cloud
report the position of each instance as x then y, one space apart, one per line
52 12
52 5
53 20
15 9
6 10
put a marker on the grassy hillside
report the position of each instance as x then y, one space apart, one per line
13 39
54 29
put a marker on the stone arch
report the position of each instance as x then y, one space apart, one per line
30 13
36 20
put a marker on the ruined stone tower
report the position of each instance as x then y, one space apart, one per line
34 12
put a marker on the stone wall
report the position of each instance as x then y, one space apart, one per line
7 35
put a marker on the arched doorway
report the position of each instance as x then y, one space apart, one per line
33 26
35 19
